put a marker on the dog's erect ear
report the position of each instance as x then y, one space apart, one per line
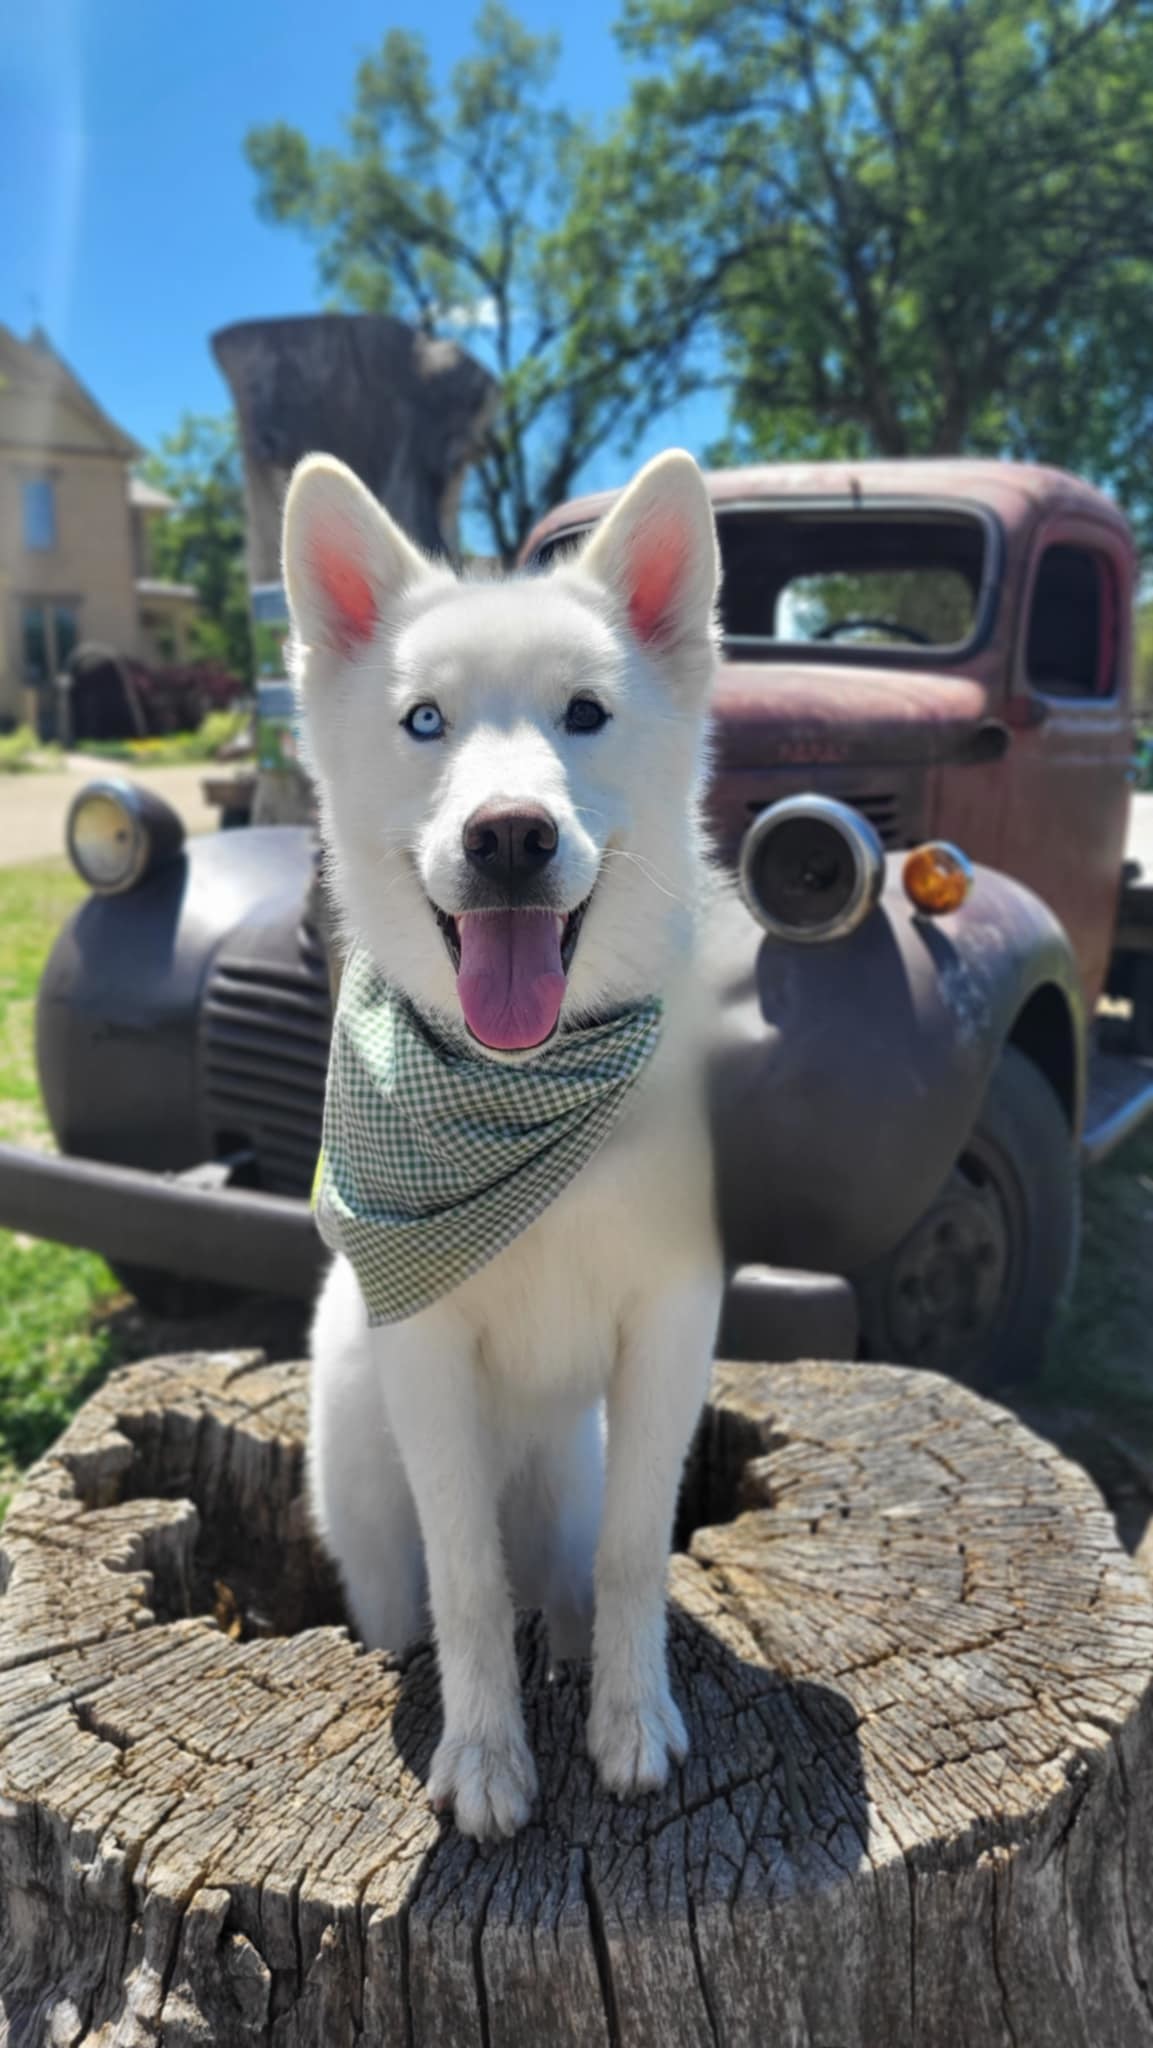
657 552
344 559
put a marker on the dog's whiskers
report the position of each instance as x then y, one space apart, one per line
646 869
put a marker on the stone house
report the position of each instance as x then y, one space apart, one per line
75 534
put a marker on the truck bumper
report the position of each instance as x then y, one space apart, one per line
264 1244
268 1244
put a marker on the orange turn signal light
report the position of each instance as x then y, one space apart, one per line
937 878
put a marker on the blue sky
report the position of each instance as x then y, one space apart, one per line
129 229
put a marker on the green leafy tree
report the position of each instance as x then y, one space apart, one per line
202 541
447 208
914 227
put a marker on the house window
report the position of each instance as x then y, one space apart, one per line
39 513
1072 645
49 631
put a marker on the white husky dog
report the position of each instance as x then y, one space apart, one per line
509 778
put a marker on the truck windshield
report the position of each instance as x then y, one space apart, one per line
849 579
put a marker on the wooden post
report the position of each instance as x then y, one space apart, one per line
918 1812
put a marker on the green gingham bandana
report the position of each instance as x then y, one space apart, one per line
435 1158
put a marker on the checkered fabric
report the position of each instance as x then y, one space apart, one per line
435 1158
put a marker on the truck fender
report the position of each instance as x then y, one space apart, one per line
846 1077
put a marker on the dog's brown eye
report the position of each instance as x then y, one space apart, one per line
584 714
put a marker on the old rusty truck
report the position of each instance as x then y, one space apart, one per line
937 986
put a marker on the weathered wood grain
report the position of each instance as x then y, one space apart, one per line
918 1812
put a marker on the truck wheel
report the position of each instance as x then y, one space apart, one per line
974 1287
172 1297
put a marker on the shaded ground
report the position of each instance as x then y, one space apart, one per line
1096 1396
33 807
65 1320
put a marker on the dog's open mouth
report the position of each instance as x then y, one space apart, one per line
511 970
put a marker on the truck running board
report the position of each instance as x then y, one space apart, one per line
264 1244
195 1225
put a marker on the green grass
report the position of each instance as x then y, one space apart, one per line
34 902
65 1321
1095 1399
1102 1355
55 1341
21 752
55 1345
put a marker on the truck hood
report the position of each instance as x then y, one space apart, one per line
786 713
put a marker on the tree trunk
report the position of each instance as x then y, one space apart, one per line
918 1807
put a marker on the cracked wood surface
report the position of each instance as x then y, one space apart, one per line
917 1812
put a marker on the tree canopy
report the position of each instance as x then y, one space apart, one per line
445 207
202 541
915 228
877 226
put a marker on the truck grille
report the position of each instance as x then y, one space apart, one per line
884 812
265 1034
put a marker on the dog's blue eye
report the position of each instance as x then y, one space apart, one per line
584 714
425 722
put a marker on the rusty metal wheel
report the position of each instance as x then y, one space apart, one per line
974 1287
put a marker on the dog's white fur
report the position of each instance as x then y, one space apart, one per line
458 1459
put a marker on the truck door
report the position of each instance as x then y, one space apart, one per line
1066 791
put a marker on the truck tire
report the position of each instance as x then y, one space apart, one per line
973 1289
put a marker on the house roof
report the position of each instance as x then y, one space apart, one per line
34 365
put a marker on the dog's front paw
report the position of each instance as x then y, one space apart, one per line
633 1742
488 1781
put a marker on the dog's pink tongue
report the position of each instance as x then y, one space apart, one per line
510 981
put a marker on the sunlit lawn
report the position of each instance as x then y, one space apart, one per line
64 1319
53 1345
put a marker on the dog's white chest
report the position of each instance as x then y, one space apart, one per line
551 1312
548 1312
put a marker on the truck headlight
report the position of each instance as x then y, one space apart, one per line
116 834
811 869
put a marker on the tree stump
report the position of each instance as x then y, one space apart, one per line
918 1808
406 410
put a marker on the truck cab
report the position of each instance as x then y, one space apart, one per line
946 646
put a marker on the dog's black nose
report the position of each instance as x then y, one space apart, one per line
509 845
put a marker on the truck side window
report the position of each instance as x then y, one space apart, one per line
1072 645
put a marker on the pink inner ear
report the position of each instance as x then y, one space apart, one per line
657 563
348 593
